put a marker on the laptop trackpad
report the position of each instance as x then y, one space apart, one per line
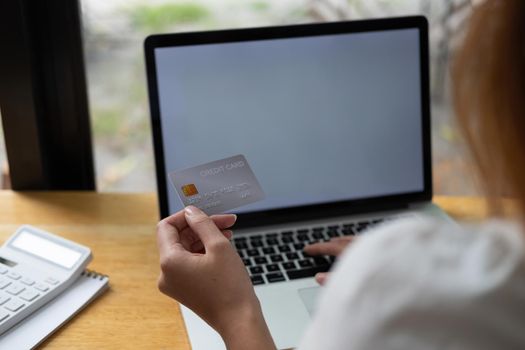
309 297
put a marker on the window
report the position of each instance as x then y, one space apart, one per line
114 32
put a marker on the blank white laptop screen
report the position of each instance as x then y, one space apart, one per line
319 119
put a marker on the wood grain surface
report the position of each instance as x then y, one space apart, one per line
120 230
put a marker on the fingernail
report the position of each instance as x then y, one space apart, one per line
190 210
235 216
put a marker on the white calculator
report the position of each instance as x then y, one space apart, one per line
36 266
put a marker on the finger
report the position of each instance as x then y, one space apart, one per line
178 220
167 237
228 234
198 247
188 237
202 225
333 248
321 277
224 220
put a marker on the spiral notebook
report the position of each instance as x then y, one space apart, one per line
50 317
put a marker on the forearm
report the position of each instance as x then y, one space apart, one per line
248 332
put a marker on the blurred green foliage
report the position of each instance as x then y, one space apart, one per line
161 17
114 32
260 6
106 121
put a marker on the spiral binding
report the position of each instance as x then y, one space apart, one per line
93 274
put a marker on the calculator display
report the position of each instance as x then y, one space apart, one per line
46 249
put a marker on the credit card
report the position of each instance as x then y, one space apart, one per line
218 186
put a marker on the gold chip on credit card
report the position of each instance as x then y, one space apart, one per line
189 190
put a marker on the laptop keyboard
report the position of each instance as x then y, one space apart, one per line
278 256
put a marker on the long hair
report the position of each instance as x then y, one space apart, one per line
488 76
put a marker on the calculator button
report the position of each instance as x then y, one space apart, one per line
4 282
14 289
4 298
51 280
14 305
3 315
29 295
13 275
27 281
3 269
42 287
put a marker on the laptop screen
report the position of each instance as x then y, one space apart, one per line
320 119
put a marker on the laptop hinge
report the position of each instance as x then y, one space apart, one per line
291 216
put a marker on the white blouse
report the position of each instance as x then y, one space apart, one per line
420 284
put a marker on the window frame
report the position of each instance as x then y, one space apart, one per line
43 96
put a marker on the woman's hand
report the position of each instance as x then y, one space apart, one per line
201 269
334 247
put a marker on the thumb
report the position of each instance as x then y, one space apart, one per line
202 225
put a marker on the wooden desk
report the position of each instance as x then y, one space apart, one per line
120 230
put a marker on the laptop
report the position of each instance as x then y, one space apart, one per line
334 120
